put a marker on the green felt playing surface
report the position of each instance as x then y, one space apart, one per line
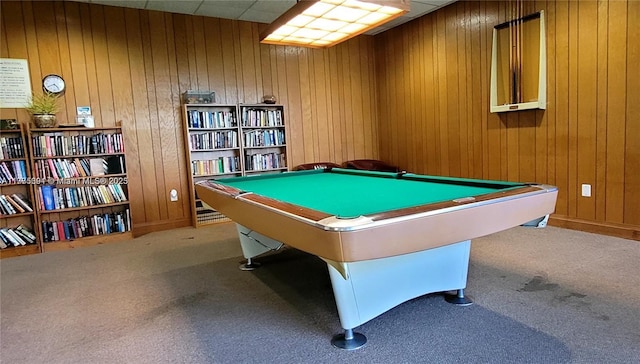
349 195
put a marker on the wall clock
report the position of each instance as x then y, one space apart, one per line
53 84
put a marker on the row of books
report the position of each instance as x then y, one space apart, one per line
14 204
211 119
78 167
13 171
16 236
261 117
80 227
11 147
214 140
215 166
57 144
57 198
264 138
258 162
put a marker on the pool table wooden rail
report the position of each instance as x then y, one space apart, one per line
385 234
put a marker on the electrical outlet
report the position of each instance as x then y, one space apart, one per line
586 190
173 195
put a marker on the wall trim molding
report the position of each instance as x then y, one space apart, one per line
624 231
150 227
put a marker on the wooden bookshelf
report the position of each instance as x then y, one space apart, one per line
15 154
82 196
247 153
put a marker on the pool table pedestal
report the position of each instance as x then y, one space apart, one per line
366 289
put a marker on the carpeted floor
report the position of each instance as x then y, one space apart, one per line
541 296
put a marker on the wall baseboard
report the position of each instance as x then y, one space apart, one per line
146 228
618 230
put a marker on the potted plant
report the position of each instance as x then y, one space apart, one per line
43 108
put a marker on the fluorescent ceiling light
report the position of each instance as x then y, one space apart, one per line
323 23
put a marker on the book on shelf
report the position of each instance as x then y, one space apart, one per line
57 198
16 236
22 201
11 147
84 226
13 171
97 166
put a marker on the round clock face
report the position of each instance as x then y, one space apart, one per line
53 84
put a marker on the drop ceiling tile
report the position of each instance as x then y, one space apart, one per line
273 6
182 7
419 9
138 4
259 16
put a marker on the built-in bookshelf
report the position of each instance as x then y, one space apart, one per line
80 194
18 219
231 140
264 142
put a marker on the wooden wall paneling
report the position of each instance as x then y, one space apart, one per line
441 51
429 104
77 62
463 78
103 72
237 48
494 159
396 122
328 120
338 103
616 109
13 45
344 89
143 196
182 209
454 104
69 101
215 71
599 189
116 37
294 102
541 126
415 79
48 48
323 130
313 109
358 130
306 113
587 101
229 66
409 93
267 69
257 62
632 144
89 59
167 178
181 46
550 113
249 82
572 179
200 53
562 106
476 69
370 100
190 55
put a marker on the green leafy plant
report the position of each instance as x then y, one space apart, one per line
43 104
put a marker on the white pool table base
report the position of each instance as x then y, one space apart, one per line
366 289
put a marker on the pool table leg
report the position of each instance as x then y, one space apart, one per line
459 299
254 244
349 340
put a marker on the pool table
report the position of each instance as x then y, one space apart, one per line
386 237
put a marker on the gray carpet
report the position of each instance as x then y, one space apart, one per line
541 296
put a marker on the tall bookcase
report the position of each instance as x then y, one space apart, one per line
81 197
18 219
226 140
263 138
213 151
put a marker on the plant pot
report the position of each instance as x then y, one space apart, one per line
44 120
